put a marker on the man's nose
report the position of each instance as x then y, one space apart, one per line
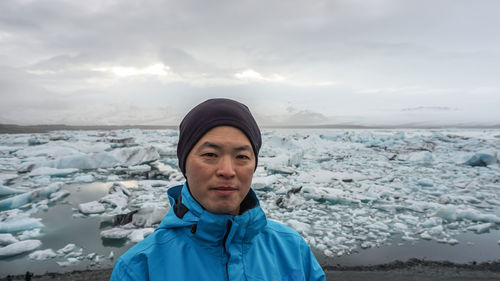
226 168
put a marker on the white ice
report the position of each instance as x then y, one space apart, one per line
19 224
19 247
343 190
7 238
41 255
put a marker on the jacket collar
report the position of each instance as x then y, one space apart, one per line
209 227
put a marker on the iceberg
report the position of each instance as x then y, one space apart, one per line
149 215
138 235
66 249
68 262
47 171
115 233
482 158
4 190
19 247
17 224
29 197
41 255
93 207
135 155
28 234
7 238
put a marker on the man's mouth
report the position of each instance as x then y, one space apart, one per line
224 190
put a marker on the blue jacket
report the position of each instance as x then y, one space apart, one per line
194 244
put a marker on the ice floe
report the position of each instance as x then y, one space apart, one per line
343 190
19 247
41 255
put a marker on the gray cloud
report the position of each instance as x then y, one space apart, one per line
365 60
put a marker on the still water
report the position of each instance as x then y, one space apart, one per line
63 227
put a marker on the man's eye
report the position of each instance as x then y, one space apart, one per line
243 157
209 155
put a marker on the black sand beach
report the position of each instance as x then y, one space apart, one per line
413 269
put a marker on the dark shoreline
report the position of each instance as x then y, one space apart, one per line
27 129
413 269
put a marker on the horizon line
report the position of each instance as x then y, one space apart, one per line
44 128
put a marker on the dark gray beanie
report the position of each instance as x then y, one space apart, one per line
213 113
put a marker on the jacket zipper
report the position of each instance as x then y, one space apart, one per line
229 224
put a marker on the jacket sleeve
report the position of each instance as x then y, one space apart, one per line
312 269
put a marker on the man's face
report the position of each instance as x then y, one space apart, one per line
219 169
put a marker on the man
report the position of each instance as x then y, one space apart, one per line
216 229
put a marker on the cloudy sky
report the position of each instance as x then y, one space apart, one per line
370 62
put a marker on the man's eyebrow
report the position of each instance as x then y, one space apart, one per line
243 148
209 145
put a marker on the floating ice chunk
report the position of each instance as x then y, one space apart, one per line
117 200
447 212
115 233
17 224
408 219
28 234
481 228
280 170
436 230
299 226
41 255
295 158
263 183
153 183
138 235
48 150
420 157
135 155
425 182
400 227
66 249
113 178
452 241
118 187
431 222
84 178
68 262
335 196
425 235
7 238
78 161
407 237
318 176
92 207
111 255
75 254
140 168
474 215
91 256
28 197
4 190
483 158
15 201
19 247
42 171
149 215
36 141
380 226
58 195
